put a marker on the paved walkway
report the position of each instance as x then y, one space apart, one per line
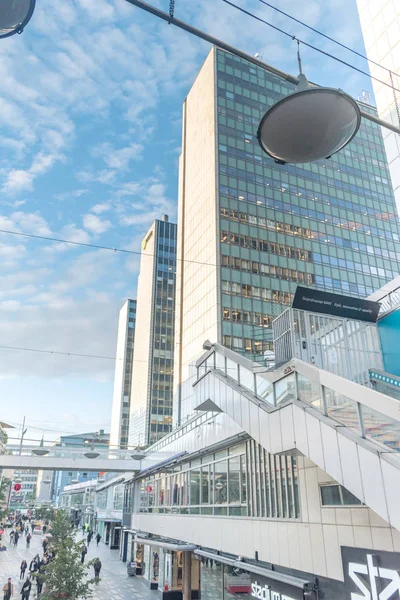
114 585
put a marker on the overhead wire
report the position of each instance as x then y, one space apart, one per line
331 39
295 38
96 246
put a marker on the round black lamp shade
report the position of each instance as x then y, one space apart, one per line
14 15
309 125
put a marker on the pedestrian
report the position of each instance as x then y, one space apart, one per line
28 540
44 529
11 535
33 527
97 568
89 538
83 529
26 589
44 544
26 530
32 566
8 590
98 538
23 567
16 538
39 584
84 552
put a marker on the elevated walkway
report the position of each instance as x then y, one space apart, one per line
348 430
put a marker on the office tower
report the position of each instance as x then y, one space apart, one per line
250 230
380 23
123 376
151 396
98 440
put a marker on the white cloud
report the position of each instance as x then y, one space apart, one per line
18 180
118 159
95 224
75 234
100 208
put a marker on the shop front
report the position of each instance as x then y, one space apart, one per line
225 578
168 567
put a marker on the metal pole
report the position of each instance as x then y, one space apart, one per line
187 575
252 59
22 436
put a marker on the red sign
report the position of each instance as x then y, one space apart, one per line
1 531
17 487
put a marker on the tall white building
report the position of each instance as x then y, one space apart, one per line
123 375
277 483
380 23
151 395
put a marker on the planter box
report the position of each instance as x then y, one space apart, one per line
3 549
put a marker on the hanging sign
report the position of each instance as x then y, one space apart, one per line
337 305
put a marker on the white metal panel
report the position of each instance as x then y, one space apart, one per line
371 474
265 438
314 441
331 452
300 430
390 476
254 429
350 466
275 432
288 437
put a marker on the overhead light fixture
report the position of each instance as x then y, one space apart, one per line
40 451
14 16
137 455
309 125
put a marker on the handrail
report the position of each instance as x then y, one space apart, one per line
370 413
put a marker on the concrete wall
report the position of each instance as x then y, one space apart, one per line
198 317
310 544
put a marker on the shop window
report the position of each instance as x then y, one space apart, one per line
337 495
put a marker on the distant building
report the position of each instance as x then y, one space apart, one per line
123 376
97 439
151 395
27 494
44 485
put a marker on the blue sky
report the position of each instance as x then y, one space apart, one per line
90 133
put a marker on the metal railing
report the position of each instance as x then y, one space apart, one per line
344 401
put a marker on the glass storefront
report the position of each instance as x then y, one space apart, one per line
222 582
240 481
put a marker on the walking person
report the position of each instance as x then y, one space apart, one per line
97 568
28 540
98 538
16 538
26 589
23 567
8 590
44 529
12 532
84 552
32 566
39 584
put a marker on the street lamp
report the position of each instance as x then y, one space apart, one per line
14 15
310 124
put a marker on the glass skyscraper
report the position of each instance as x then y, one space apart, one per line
123 376
254 230
151 395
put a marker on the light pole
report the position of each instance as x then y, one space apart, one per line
14 15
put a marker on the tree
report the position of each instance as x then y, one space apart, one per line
4 490
45 513
66 578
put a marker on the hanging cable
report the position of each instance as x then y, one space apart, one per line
171 10
395 97
323 35
293 37
299 57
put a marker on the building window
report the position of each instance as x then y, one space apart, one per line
337 495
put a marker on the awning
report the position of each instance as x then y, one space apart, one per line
109 520
178 546
262 571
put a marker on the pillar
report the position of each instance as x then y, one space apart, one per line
187 575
